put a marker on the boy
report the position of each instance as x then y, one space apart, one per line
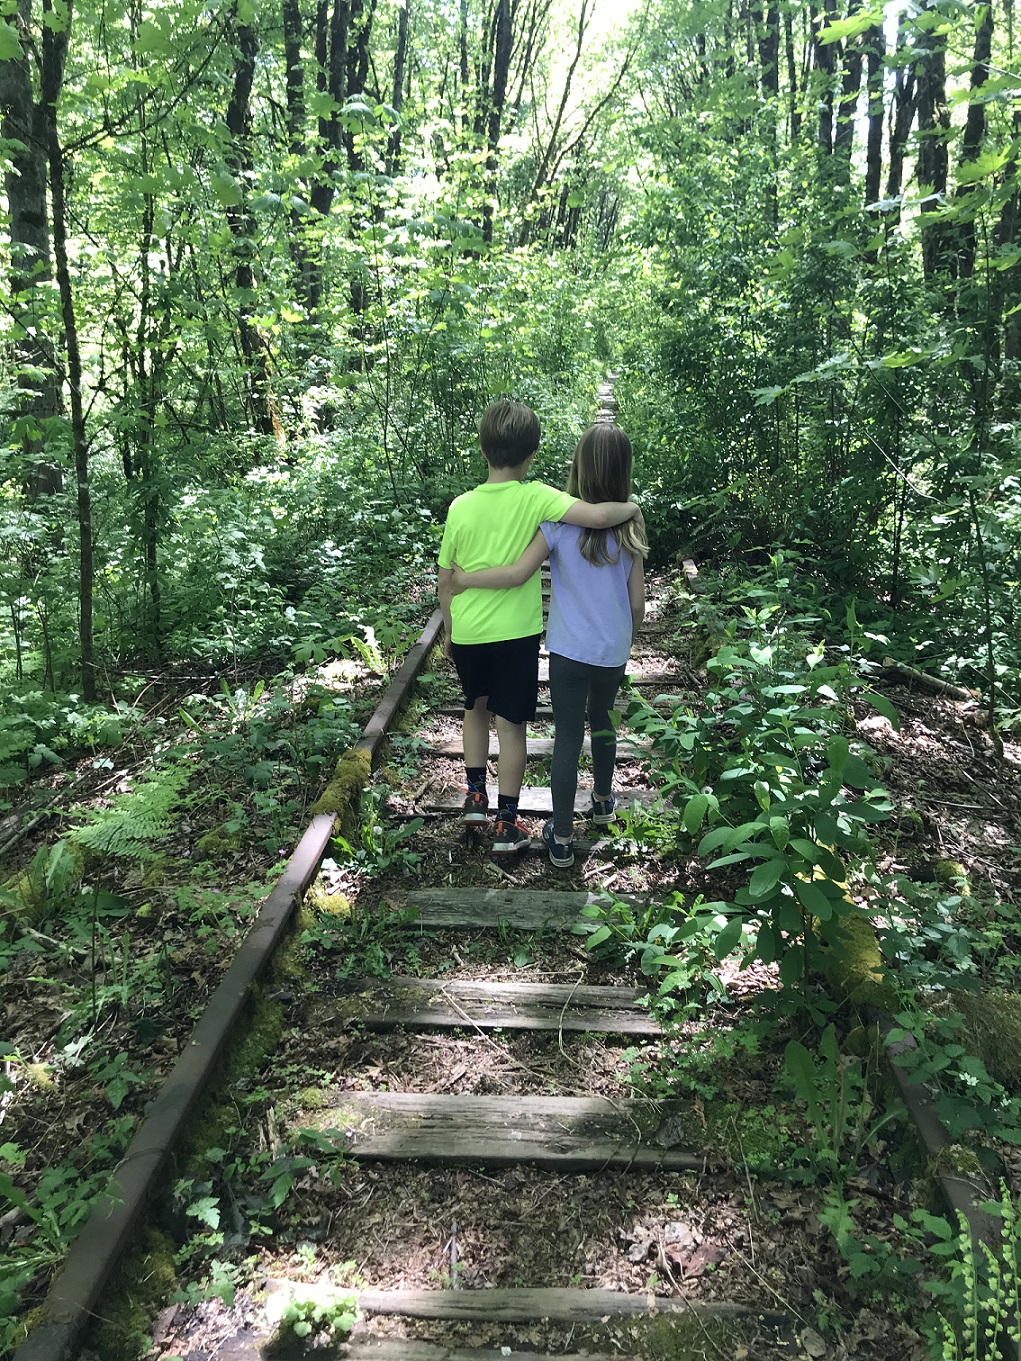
492 637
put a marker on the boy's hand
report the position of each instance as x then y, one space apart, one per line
458 582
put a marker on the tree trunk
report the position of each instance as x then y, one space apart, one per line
502 42
850 88
54 56
263 410
875 47
794 112
904 100
393 156
963 260
24 129
933 129
824 57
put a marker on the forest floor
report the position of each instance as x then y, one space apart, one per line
746 1228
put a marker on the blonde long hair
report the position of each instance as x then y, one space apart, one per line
601 471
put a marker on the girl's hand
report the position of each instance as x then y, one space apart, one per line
459 581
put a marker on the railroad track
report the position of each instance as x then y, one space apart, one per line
540 1158
564 1142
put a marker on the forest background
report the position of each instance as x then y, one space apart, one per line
264 266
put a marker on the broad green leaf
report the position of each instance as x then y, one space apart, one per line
792 966
226 189
780 831
765 877
883 706
852 27
10 47
728 938
694 811
813 899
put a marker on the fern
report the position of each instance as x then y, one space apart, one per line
136 818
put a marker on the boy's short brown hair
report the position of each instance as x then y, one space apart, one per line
509 433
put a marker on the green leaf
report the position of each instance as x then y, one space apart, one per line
10 47
780 831
694 811
852 27
765 877
226 189
883 706
792 966
813 899
728 938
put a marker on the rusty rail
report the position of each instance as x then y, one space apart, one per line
108 1230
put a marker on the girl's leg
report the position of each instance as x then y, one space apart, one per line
568 688
603 684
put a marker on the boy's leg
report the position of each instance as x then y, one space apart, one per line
513 748
512 699
470 663
476 733
603 684
568 690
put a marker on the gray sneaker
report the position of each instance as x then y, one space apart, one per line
602 813
561 853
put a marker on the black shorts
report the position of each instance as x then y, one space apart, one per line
508 672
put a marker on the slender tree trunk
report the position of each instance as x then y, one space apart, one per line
962 261
850 88
824 57
794 111
264 413
23 127
903 113
933 161
393 156
54 56
503 35
875 46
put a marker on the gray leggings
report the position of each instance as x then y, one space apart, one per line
577 687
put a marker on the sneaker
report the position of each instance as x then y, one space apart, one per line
510 836
561 853
602 813
476 806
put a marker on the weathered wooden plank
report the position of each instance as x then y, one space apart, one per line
573 1133
538 799
661 678
522 909
457 711
404 1349
523 1305
451 1004
543 746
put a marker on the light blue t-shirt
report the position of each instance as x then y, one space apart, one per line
590 614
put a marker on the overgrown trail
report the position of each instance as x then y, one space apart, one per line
502 1189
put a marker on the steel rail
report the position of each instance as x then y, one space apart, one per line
72 1297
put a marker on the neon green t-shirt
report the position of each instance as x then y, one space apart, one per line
491 526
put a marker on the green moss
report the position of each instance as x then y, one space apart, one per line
958 1159
851 959
142 1285
759 1138
952 874
311 1098
342 796
214 843
253 1045
29 1322
327 904
992 1029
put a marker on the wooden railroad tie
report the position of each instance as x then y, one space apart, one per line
454 1004
562 1133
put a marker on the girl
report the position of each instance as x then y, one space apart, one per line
598 600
